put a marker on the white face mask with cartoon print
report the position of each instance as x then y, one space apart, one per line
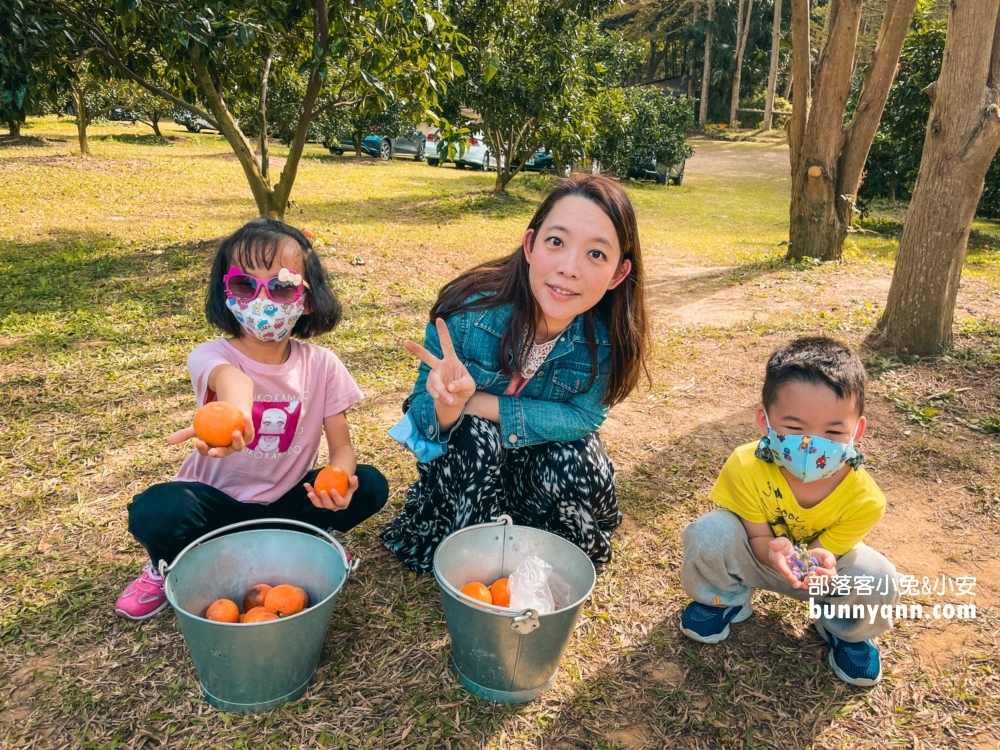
266 320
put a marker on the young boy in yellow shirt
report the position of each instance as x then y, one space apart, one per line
801 484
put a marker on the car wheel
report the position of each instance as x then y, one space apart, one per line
420 153
661 179
459 165
485 166
385 150
678 179
433 163
195 128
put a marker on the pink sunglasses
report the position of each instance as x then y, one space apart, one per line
284 288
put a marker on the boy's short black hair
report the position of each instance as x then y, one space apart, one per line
818 360
256 244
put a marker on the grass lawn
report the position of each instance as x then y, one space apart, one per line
103 266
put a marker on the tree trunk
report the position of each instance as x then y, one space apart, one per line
962 138
357 138
690 52
15 128
706 74
155 121
511 146
742 32
827 160
263 114
558 164
80 106
772 76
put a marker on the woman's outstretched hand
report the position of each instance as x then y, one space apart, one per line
449 382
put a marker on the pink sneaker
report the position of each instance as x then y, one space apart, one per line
143 598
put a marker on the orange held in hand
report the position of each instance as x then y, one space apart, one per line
285 600
332 478
258 614
478 591
223 610
216 422
255 596
500 591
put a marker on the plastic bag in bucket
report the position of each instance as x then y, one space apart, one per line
507 656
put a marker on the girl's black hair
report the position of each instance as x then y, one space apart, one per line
255 245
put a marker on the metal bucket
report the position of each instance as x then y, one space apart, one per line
257 666
507 656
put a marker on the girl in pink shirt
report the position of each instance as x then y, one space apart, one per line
267 289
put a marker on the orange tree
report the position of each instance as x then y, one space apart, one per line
224 52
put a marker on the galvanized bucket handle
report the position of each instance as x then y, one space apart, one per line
349 564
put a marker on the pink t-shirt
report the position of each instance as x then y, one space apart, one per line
290 402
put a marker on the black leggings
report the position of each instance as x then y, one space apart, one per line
565 488
168 517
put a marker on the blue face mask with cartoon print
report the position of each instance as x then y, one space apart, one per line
807 457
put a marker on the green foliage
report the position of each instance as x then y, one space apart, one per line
894 158
523 70
758 101
34 72
639 127
214 52
600 60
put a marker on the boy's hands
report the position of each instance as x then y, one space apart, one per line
779 550
827 564
449 381
240 440
332 500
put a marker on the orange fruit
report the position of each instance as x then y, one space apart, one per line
286 600
332 478
255 596
258 614
223 610
216 422
476 590
500 591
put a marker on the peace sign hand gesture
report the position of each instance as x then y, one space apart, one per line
449 382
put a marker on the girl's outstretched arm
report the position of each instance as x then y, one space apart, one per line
234 386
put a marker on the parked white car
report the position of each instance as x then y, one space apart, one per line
477 154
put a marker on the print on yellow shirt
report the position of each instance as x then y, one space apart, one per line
757 492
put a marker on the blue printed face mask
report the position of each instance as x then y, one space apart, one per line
807 457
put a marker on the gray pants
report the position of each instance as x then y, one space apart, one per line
718 562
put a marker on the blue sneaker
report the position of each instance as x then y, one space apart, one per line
707 624
855 663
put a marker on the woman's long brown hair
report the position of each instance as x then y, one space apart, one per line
623 309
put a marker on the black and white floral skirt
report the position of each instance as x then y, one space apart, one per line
565 488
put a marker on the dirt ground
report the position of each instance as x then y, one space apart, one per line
630 679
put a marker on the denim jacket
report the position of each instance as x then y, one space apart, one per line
560 403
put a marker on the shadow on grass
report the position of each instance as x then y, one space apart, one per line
23 141
137 139
86 270
82 287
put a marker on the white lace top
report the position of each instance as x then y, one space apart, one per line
536 357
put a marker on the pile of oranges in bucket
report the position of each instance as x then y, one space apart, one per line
497 594
262 603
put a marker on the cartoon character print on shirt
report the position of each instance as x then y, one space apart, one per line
275 423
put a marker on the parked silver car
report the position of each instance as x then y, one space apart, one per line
477 154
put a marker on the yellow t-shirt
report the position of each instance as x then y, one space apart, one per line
757 492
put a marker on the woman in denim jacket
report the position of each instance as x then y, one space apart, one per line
521 362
